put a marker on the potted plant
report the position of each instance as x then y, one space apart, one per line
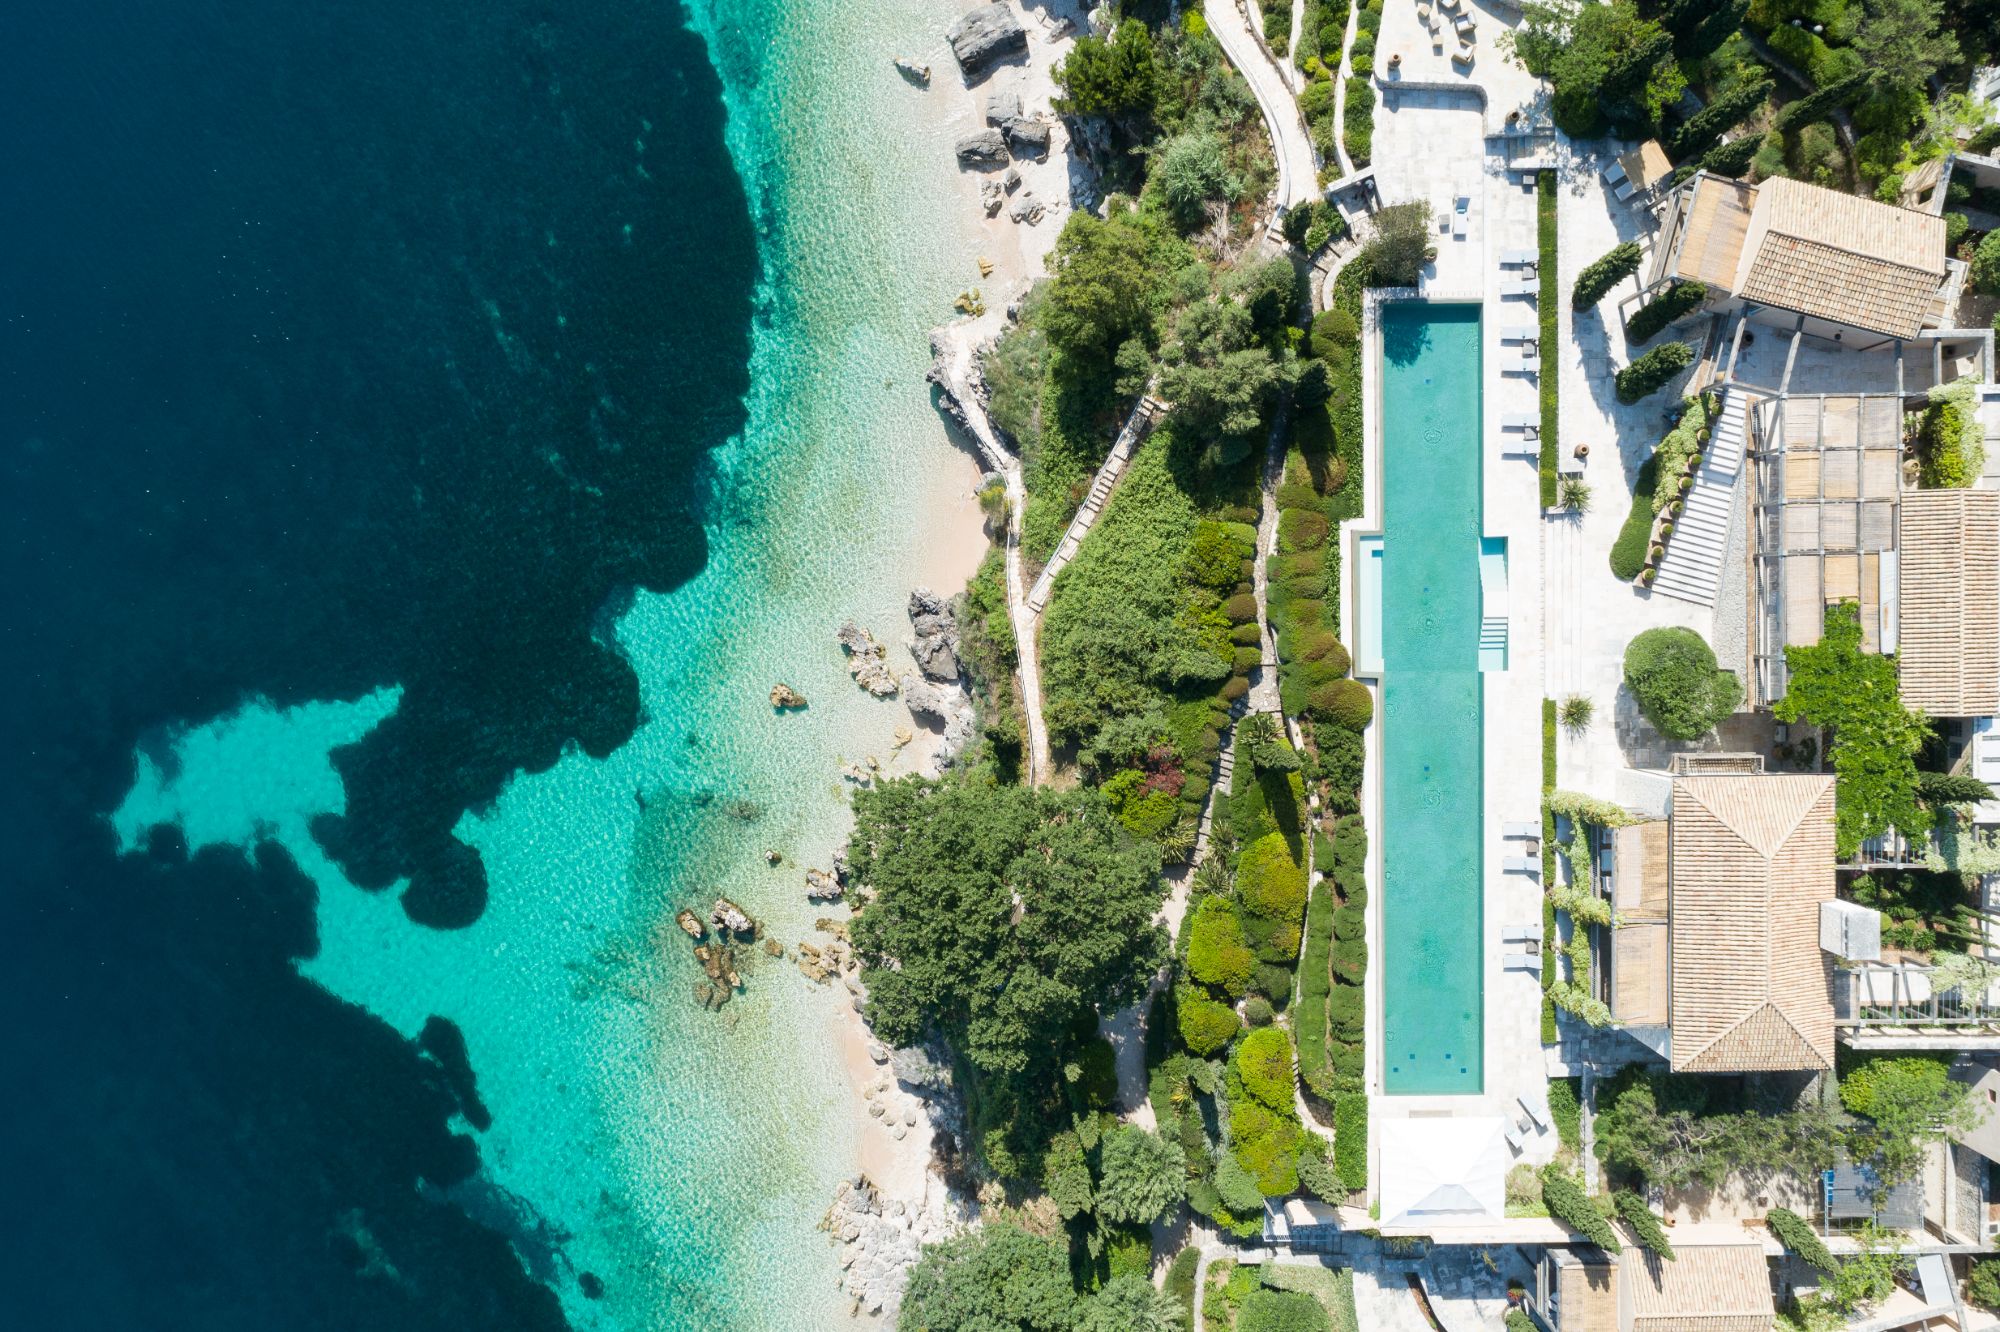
1686 482
1658 550
1666 528
1646 577
1676 506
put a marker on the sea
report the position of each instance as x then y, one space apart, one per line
428 429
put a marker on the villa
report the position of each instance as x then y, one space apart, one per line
1799 256
1717 1282
1715 962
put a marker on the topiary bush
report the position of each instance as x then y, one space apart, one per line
1217 953
1350 960
1673 676
1271 882
1676 302
1263 1060
1600 276
1732 158
1301 530
1653 371
1257 1011
1206 1026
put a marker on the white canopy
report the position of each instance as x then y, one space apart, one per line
1443 1171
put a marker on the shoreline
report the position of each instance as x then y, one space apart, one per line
901 1170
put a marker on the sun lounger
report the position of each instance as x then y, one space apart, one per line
1522 421
1623 193
1521 962
1522 865
1515 1138
1614 175
1522 934
1519 259
1532 831
1520 333
1539 1114
1529 287
1526 448
1458 225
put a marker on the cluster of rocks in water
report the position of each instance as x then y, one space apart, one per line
933 690
725 957
833 960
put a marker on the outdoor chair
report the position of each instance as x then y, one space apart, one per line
1515 1138
1520 259
1614 175
1521 962
1527 421
1530 865
1526 448
1528 287
1531 831
1539 1114
1522 934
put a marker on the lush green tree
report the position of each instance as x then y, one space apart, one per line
1190 173
1402 244
1601 275
1982 1283
1951 788
1909 1103
999 916
1867 1278
1653 371
1674 678
1678 1145
1105 276
1219 377
1725 113
1270 291
1142 1176
1700 26
1796 1233
1268 1310
1129 1303
1596 54
991 1278
1567 1203
1645 1226
1902 43
1835 684
1985 271
1205 1025
1115 77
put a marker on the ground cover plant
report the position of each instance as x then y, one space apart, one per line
1550 377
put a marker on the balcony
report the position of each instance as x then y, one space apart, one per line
1904 1005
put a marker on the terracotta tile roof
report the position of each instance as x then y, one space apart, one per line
1587 1293
1948 584
1718 218
1855 261
1751 861
1707 1288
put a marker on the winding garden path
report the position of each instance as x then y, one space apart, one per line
1340 77
1298 168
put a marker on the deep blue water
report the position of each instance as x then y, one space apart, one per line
341 346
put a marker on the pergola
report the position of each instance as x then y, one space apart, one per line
1826 479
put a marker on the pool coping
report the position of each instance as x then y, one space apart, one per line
1369 524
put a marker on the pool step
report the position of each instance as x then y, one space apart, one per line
1493 633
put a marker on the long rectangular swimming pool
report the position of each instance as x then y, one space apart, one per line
1431 828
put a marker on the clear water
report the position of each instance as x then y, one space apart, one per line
1432 1004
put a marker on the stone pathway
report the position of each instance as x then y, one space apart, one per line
1137 425
1298 167
1340 77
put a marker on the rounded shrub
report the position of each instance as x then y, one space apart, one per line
1345 703
1301 529
1345 1012
1274 983
1270 882
1247 659
1241 608
1234 687
1673 676
1297 495
1206 1026
1263 1060
1350 960
1257 1011
1217 953
1247 635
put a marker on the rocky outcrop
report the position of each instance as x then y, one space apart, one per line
726 915
823 886
940 375
1027 138
784 697
1002 107
988 34
936 643
916 1067
881 1238
982 150
867 661
951 706
1027 209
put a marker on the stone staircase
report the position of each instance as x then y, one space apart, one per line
1493 634
1136 425
1692 565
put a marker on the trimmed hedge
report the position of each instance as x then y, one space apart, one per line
1309 1017
1601 275
1350 1140
1710 123
1628 551
1732 158
1676 302
1545 223
1651 372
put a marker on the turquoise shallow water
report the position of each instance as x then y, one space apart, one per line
682 1157
1433 1016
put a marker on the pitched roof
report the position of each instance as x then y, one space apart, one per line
1836 256
1707 1288
1586 1293
1948 585
1751 859
1718 217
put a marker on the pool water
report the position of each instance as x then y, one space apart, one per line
1431 826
